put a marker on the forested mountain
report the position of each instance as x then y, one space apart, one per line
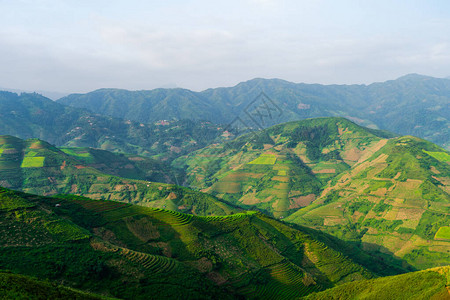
34 116
411 105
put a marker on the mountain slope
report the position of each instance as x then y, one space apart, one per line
427 284
34 116
36 241
282 168
145 106
14 286
160 253
396 201
37 167
411 105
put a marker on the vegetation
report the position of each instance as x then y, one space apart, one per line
395 105
428 284
282 168
396 201
376 204
38 167
105 243
33 162
443 233
15 286
32 115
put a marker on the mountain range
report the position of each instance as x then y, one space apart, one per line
411 105
34 116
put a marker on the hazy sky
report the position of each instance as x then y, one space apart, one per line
79 46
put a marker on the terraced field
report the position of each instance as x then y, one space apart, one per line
38 167
224 248
274 170
428 284
395 201
153 263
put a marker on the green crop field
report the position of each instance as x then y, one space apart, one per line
264 159
441 156
428 284
443 233
33 162
73 152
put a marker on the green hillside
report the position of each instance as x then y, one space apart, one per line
14 286
396 202
428 284
282 168
34 116
37 167
410 105
388 195
132 252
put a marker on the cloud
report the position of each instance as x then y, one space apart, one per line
197 44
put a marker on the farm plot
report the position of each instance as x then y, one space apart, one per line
264 159
33 162
443 233
441 156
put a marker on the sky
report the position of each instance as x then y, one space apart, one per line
79 46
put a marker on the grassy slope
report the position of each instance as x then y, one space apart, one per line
90 172
37 242
427 284
161 253
394 202
283 167
15 286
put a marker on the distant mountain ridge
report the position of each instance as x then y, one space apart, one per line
410 105
34 116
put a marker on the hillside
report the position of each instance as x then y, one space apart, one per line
396 201
165 254
14 286
282 168
428 284
35 166
389 195
34 116
410 105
